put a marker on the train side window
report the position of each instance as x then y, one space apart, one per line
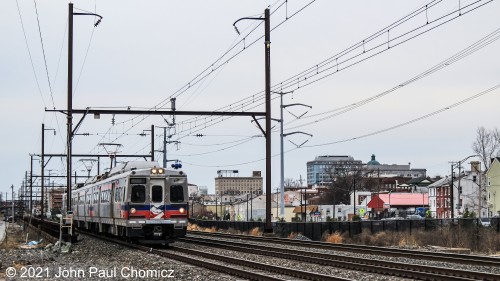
117 191
176 193
138 194
156 193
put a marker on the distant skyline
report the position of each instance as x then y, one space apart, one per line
409 93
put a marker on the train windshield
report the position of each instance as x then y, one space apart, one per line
156 193
176 193
138 194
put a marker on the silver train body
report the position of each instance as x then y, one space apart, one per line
135 200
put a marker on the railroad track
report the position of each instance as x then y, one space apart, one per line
404 270
363 249
244 268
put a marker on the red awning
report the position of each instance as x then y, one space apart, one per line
398 199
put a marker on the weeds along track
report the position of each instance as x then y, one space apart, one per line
366 264
229 265
373 250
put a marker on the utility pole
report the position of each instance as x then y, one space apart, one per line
69 113
31 185
25 189
13 214
172 106
164 147
267 46
152 142
451 193
282 153
277 192
354 195
42 165
305 203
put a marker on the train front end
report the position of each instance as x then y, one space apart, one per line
158 206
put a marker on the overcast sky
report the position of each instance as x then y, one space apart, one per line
144 52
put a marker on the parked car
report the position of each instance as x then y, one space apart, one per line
485 222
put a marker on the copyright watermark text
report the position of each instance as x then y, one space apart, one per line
71 272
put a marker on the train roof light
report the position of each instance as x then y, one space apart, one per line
157 171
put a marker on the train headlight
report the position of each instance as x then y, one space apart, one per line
182 210
157 171
132 210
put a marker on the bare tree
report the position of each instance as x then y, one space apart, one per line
291 183
487 144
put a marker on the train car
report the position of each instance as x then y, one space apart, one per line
135 200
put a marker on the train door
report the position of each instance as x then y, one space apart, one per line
157 201
111 202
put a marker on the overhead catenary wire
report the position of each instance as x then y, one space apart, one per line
29 54
214 66
476 46
204 125
496 87
413 120
291 83
328 70
44 57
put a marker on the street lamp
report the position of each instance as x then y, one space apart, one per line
267 49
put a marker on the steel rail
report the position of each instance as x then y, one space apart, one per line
422 272
364 249
173 253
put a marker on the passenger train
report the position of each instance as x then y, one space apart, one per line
135 200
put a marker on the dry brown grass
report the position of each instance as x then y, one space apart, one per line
482 240
193 227
211 230
408 242
255 232
335 238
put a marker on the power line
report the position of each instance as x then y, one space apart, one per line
413 120
29 53
214 66
218 150
198 127
369 134
307 74
483 42
44 57
332 65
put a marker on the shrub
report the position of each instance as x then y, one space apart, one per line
335 238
